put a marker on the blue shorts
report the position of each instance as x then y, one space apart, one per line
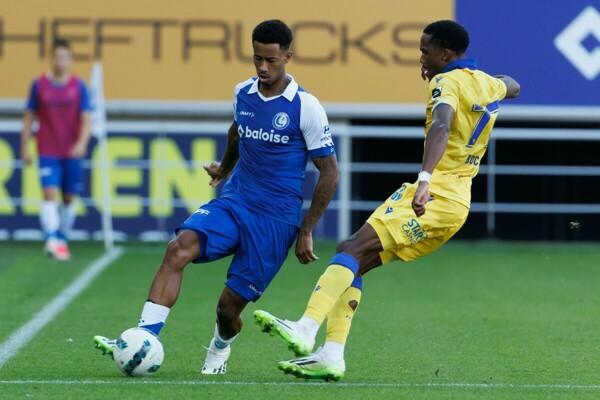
63 173
260 244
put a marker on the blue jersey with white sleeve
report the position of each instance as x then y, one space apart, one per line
277 135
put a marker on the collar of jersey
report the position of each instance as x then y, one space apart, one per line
288 93
56 83
469 63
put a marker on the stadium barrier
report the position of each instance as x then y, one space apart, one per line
157 177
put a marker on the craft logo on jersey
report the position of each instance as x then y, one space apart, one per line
281 121
247 114
570 42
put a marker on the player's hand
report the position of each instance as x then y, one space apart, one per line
421 198
304 247
25 157
215 172
78 150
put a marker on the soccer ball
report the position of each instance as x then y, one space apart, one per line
138 352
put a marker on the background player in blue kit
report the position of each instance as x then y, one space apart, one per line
277 126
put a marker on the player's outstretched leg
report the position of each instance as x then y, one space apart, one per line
165 288
229 325
300 335
327 362
360 251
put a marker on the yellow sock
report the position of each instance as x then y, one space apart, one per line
334 281
339 319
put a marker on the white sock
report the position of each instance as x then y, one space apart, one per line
309 325
67 217
219 343
333 350
49 218
153 313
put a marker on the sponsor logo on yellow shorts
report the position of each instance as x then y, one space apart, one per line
414 231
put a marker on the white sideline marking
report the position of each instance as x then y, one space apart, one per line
128 381
27 332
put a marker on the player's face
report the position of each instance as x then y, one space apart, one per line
62 60
433 58
270 60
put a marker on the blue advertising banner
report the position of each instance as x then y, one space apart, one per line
156 181
552 47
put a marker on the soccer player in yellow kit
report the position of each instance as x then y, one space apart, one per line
419 217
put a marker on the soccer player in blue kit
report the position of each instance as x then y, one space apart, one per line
277 126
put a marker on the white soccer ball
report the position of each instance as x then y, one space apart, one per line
138 352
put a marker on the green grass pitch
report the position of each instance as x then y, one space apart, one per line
472 321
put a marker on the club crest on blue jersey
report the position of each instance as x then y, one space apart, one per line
281 121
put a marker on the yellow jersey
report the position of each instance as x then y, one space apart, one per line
474 97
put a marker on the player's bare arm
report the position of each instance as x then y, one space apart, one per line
221 170
28 119
513 89
435 145
326 186
80 147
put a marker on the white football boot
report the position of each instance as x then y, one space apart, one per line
216 360
290 332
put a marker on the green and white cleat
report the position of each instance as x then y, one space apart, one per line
105 345
289 331
315 366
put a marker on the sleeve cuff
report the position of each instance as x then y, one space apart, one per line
322 152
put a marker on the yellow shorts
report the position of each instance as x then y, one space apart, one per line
406 237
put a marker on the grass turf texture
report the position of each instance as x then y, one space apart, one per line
496 313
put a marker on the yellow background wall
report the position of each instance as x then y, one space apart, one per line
345 51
